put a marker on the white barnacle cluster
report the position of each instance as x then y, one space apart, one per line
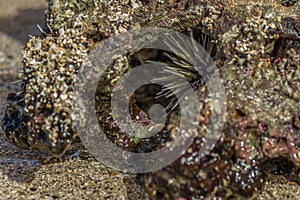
50 66
253 38
50 63
90 17
255 78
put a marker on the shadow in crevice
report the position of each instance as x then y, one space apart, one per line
23 25
282 166
19 165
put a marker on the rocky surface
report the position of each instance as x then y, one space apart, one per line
34 174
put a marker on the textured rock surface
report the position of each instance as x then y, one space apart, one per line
34 174
262 128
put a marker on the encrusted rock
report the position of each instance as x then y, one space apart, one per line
257 53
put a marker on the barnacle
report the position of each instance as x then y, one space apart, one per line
255 48
288 2
42 119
